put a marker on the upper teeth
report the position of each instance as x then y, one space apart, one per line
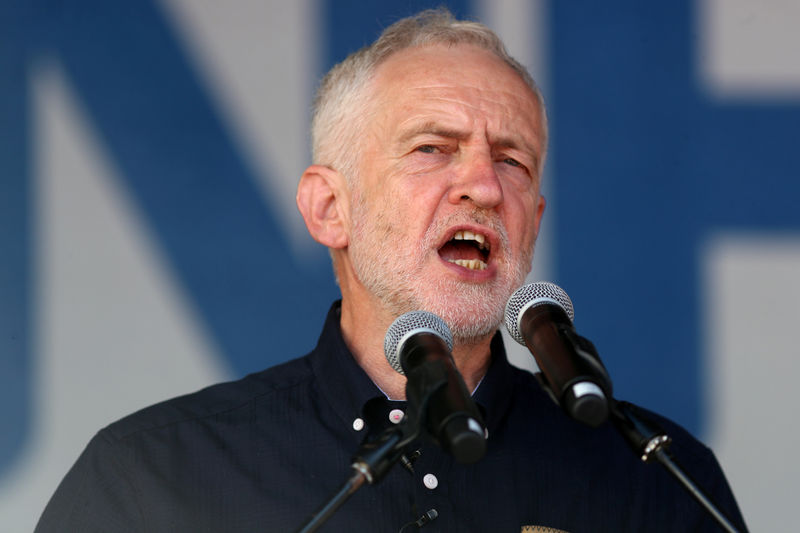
466 235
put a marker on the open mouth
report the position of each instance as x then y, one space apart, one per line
467 249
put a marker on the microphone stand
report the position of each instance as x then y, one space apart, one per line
645 437
650 442
374 459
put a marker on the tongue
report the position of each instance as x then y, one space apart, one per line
460 250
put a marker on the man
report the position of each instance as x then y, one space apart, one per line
428 151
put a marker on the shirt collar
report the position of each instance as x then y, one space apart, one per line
343 383
495 390
347 388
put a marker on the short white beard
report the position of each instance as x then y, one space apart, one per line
472 311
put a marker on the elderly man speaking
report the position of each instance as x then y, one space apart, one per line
428 149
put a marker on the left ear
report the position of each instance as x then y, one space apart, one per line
323 201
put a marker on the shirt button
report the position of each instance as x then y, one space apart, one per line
358 424
396 415
430 481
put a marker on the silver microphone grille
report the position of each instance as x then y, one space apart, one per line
410 324
530 295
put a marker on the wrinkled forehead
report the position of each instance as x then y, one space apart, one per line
452 83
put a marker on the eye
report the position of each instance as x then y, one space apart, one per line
427 149
513 162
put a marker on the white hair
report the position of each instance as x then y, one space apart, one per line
341 106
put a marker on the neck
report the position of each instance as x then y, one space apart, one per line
364 334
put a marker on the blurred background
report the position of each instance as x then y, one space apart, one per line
150 244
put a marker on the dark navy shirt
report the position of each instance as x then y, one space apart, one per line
264 452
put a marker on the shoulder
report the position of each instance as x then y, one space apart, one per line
215 400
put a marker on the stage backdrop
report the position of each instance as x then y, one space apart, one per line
149 242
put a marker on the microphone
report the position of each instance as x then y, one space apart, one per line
418 345
429 516
539 316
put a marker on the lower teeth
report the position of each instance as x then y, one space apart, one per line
472 264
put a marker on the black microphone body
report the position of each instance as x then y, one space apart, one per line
422 353
537 316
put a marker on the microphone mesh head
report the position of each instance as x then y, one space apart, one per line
530 295
410 324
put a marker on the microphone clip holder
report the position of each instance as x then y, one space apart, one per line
375 458
643 436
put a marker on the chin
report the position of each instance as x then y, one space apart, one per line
472 313
474 327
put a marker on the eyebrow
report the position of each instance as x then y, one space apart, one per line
431 127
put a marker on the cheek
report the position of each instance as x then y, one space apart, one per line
419 202
522 223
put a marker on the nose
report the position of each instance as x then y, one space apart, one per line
476 180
